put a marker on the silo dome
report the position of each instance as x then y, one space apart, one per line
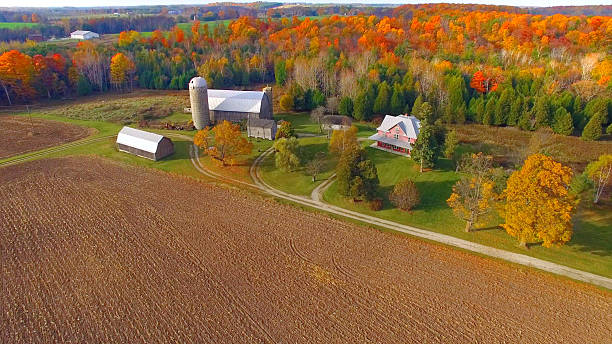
198 94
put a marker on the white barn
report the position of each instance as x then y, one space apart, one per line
84 35
144 144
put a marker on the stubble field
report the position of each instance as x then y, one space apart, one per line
93 251
21 134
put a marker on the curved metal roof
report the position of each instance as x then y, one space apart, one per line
235 101
140 139
197 82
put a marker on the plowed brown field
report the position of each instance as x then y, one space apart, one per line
18 135
93 251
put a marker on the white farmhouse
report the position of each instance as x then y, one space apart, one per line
84 35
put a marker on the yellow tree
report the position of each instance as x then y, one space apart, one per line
342 140
121 70
473 195
539 206
225 144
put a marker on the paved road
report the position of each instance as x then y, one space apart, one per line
441 238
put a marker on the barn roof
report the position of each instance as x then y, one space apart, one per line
80 32
235 101
409 124
140 139
261 123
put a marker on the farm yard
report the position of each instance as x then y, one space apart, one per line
20 134
151 257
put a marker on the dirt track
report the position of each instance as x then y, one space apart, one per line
18 135
96 252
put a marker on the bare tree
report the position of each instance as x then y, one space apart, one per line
316 165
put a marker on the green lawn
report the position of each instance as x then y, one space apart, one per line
590 248
16 26
303 125
298 182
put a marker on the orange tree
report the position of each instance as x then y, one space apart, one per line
539 206
474 194
225 144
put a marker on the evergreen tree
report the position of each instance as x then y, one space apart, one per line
562 123
381 104
592 131
525 121
280 72
503 107
489 112
361 112
457 110
416 108
345 107
424 149
397 100
541 111
356 176
516 110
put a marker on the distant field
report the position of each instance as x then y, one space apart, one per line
95 251
14 26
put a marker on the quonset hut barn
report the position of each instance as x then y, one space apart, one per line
144 144
213 106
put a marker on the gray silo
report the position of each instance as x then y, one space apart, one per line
198 94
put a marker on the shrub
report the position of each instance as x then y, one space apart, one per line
376 204
405 195
286 102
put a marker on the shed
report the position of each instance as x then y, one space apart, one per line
79 34
261 128
236 106
144 144
336 122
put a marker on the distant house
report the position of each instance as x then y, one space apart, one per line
335 122
84 35
261 128
36 37
396 134
144 144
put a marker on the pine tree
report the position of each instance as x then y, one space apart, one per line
346 106
360 107
416 108
397 100
457 110
503 107
381 104
489 112
525 121
592 131
541 111
562 123
516 110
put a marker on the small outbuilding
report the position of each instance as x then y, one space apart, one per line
261 128
79 34
144 144
330 123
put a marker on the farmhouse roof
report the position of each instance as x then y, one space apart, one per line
391 141
261 123
140 139
80 32
235 101
409 124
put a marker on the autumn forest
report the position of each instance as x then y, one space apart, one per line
486 65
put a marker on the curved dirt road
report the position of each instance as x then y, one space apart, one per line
315 202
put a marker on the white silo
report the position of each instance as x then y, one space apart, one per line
198 94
